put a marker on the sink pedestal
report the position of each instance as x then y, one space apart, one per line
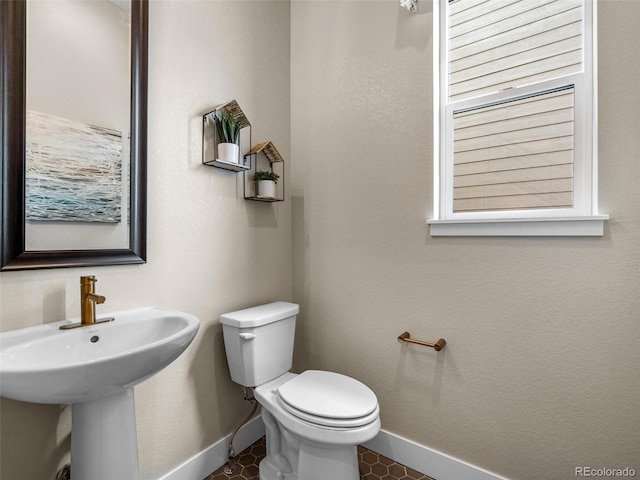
104 443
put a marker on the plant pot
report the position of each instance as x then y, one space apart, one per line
267 189
228 152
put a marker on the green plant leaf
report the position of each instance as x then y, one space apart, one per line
266 175
227 127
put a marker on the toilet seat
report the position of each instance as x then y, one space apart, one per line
329 399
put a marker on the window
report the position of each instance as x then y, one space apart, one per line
516 118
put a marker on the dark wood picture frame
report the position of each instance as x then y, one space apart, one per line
13 254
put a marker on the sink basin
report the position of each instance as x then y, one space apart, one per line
95 368
44 364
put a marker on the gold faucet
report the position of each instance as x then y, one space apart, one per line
88 300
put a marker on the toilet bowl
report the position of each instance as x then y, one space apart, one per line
313 420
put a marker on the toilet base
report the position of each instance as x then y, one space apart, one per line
319 464
297 450
310 462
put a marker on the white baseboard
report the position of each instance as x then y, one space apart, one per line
423 459
213 457
426 460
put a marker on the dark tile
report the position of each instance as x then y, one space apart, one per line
379 469
373 466
397 471
369 457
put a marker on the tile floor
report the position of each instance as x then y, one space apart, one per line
373 466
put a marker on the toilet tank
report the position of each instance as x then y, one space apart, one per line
259 342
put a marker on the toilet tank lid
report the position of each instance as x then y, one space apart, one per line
260 315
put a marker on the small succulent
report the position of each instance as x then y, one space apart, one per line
227 126
267 175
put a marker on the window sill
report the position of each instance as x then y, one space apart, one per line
591 226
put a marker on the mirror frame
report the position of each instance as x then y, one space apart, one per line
13 253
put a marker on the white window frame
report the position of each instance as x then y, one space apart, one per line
583 218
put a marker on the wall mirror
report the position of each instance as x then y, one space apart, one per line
74 133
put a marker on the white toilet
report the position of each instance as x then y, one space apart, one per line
313 420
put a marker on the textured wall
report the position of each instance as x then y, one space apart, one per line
540 373
209 250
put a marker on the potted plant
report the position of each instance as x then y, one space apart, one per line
228 134
266 181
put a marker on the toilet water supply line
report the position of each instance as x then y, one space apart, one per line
231 454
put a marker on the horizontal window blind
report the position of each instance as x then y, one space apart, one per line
515 155
495 45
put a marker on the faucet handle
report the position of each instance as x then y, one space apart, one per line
89 279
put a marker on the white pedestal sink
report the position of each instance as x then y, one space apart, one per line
95 368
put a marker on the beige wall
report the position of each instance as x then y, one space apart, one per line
209 250
540 373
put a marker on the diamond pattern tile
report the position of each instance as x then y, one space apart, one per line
373 466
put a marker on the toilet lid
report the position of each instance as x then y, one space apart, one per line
322 397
